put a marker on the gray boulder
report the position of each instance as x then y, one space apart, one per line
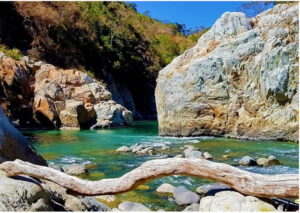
132 207
24 194
13 145
92 204
183 196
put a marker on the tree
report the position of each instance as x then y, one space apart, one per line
255 7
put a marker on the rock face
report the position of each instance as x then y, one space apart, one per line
53 97
233 201
13 145
240 80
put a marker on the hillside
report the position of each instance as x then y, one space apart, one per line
108 40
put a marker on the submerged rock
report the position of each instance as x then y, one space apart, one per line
183 196
233 201
132 207
239 80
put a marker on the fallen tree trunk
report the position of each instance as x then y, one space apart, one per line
283 186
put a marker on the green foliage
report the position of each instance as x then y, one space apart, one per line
13 53
104 37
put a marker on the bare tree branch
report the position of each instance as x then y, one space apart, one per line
284 185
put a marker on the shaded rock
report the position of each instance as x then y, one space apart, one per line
192 208
74 169
183 196
247 161
92 204
250 93
13 145
165 188
132 206
233 201
203 189
272 160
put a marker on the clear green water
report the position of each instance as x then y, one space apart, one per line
98 147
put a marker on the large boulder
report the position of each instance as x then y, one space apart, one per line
183 196
233 201
13 145
240 80
16 92
22 195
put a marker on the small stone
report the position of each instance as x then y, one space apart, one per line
297 201
132 206
262 161
74 169
247 161
191 153
207 155
192 208
178 156
183 196
123 149
165 188
211 186
226 156
165 147
55 166
161 210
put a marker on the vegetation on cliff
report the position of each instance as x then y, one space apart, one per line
98 38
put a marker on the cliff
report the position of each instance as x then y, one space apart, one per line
40 94
111 40
240 80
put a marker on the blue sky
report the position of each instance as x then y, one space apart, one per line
192 14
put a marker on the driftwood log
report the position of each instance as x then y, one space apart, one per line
282 186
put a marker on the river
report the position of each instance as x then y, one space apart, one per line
98 147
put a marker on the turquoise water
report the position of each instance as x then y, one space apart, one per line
98 147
